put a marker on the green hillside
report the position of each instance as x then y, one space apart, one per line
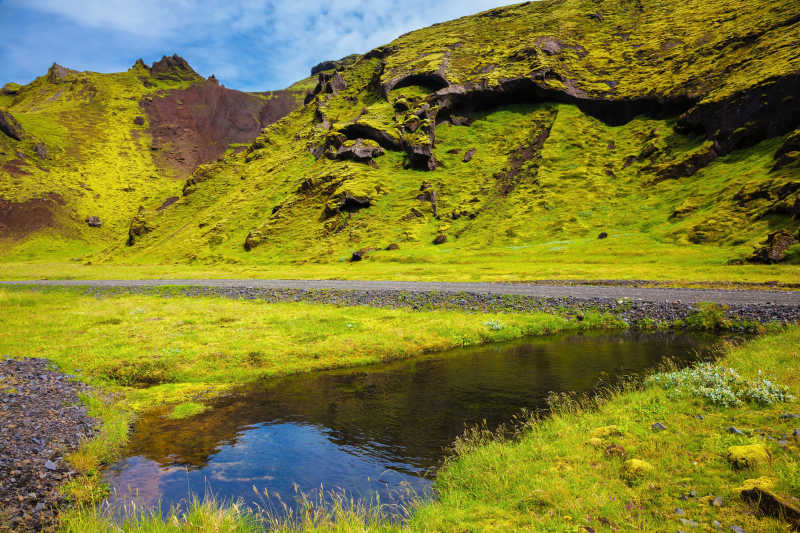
520 134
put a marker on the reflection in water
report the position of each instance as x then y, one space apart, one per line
373 430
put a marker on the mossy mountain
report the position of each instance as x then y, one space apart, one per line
672 129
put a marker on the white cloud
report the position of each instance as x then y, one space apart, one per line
248 44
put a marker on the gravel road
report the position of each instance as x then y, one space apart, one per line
579 292
633 303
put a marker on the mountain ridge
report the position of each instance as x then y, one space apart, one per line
506 130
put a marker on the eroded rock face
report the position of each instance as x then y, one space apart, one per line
195 125
10 126
18 219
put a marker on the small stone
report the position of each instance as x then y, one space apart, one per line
735 431
684 498
716 502
658 426
50 465
689 523
737 529
693 494
796 433
789 416
602 235
716 524
699 417
783 443
679 511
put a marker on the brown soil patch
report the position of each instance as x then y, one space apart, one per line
195 125
18 219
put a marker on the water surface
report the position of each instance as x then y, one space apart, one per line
376 430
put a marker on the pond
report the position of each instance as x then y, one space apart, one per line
376 431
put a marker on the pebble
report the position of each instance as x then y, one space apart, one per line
679 511
737 529
689 523
716 524
789 416
699 417
47 415
717 502
735 431
658 426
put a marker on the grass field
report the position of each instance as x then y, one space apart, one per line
152 350
567 472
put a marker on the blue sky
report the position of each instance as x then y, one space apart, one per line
247 44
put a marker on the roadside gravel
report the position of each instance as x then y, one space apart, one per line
41 420
633 303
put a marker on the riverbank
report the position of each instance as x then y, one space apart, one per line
151 350
638 458
183 351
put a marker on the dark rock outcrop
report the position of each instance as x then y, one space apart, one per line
10 126
789 152
346 201
334 65
56 73
174 68
139 226
747 117
774 249
93 222
359 150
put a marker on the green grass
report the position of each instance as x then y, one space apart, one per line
554 477
151 351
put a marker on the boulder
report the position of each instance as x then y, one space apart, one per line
774 249
748 456
93 222
358 255
363 150
420 156
758 492
346 201
139 226
41 150
634 469
440 239
252 240
10 89
10 126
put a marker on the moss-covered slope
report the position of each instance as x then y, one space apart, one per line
81 151
667 128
